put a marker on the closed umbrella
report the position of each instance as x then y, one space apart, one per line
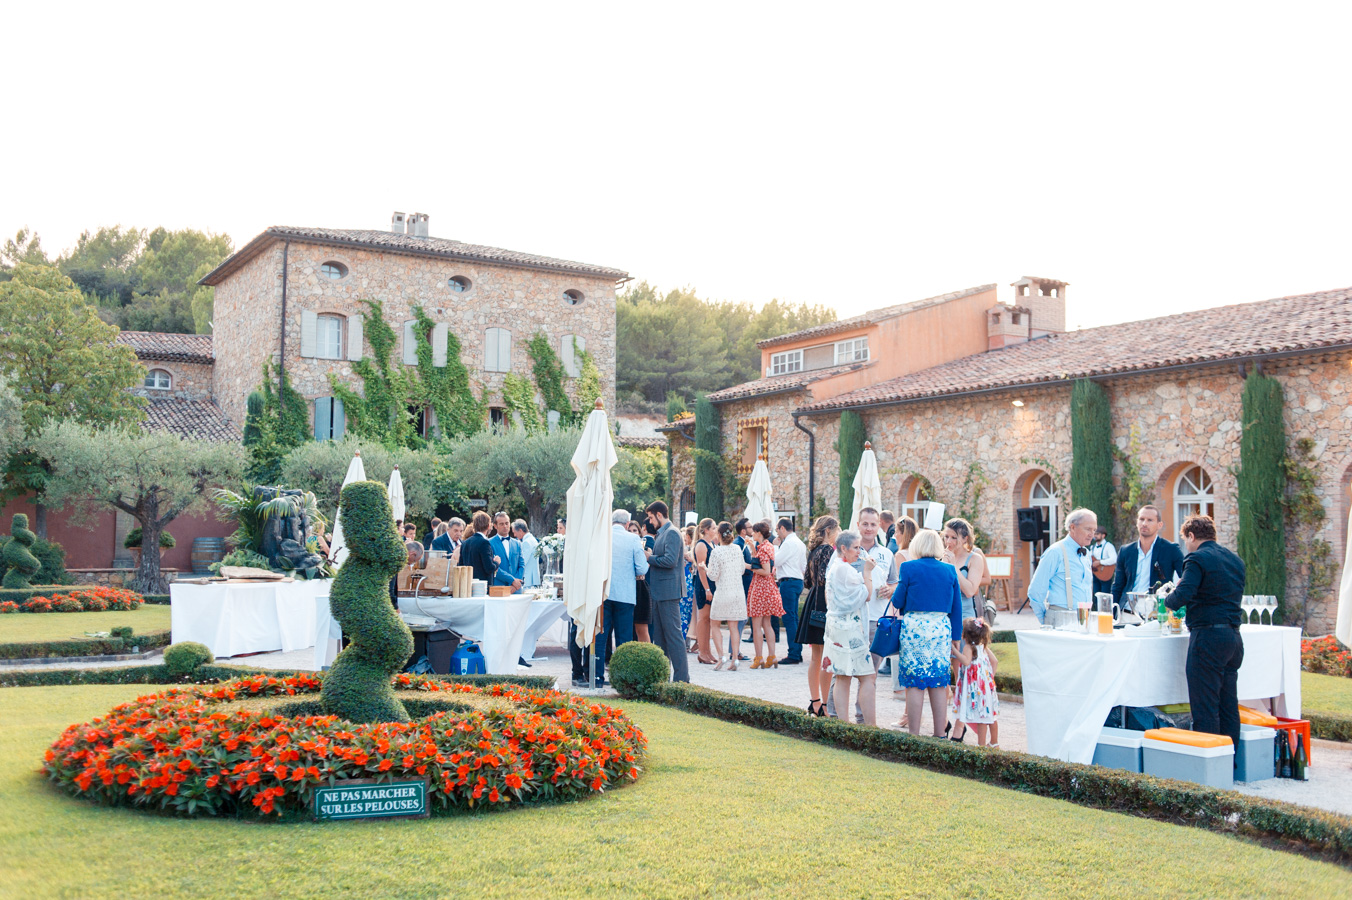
868 490
397 494
586 553
356 471
1343 625
759 502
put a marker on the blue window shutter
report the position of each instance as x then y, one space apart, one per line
339 419
323 419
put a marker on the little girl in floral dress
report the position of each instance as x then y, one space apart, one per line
975 702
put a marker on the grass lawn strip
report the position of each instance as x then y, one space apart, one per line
723 810
18 628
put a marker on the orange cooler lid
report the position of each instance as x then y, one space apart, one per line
1190 738
1249 716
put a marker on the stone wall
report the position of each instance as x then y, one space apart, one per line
524 301
190 381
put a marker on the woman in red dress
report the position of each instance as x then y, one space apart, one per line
763 602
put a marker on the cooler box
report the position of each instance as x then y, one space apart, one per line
1255 760
1119 748
1207 759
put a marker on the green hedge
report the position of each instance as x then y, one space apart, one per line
108 646
156 599
1262 489
1004 637
1094 786
159 674
708 460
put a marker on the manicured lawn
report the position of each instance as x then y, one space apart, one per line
1318 693
23 627
723 811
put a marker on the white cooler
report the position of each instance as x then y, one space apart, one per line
1119 748
1211 766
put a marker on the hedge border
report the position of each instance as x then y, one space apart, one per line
211 673
1312 831
20 595
109 646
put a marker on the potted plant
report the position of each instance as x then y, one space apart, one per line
133 545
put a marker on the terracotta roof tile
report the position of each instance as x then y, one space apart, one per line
198 419
195 348
778 384
871 317
1283 325
404 243
640 443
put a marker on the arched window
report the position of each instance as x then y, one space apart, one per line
1194 495
1042 495
915 500
687 503
159 380
329 337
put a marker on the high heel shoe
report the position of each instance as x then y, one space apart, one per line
758 663
814 707
959 738
770 663
722 664
733 667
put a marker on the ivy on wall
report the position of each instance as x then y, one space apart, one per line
849 447
588 387
1134 490
549 374
710 469
1091 450
446 388
518 396
1310 557
1262 486
969 505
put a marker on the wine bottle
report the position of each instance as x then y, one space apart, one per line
1277 755
1284 769
1299 764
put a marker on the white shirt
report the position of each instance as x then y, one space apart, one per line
882 566
790 557
1142 584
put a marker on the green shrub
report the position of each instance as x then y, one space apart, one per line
1262 489
849 447
357 686
636 667
1091 450
50 554
242 557
124 632
20 563
110 645
184 657
133 539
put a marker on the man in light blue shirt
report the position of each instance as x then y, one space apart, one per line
508 550
1066 561
628 563
531 575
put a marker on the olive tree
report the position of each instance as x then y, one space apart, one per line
153 476
538 466
320 466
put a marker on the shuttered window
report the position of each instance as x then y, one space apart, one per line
497 350
330 423
570 350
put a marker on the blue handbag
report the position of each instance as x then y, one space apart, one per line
887 639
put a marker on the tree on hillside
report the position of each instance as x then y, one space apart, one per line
64 364
168 270
153 476
102 264
25 247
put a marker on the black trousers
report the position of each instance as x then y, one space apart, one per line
1214 657
579 656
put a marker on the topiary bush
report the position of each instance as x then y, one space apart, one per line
357 687
50 554
184 657
133 539
637 667
22 565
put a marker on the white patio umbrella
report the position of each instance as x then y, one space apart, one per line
397 494
356 471
759 499
1342 627
586 553
868 490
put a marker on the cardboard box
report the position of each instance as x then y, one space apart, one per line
499 590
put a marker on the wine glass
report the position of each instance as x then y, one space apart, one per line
1246 608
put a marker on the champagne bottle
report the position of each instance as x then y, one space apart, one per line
1284 769
1298 767
1277 754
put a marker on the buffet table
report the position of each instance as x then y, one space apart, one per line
255 617
1072 681
500 625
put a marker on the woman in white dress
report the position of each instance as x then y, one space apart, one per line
725 568
845 643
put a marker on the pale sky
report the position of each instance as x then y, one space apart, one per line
1159 157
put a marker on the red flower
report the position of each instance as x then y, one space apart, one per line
385 765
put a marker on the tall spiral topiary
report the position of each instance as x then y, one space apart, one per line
22 564
358 687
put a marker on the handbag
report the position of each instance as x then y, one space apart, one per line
887 639
988 610
817 618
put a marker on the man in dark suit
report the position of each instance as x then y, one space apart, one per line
476 552
666 587
1148 560
452 538
1211 589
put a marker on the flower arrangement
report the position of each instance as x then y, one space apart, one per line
92 599
174 751
1326 655
551 545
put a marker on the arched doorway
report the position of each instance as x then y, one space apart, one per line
687 504
1042 496
1193 495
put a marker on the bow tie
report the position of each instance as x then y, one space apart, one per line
1080 552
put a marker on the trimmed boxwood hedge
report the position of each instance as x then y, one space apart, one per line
210 673
1228 812
108 646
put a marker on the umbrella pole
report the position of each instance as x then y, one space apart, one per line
595 630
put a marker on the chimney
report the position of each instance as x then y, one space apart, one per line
397 223
417 224
1046 297
1006 325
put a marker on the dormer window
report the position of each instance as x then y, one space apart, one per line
158 380
786 362
851 351
333 270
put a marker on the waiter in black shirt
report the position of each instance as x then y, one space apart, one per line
1212 585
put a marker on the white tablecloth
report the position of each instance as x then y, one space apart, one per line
1072 681
544 616
328 634
498 624
245 618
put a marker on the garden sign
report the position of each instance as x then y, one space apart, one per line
362 798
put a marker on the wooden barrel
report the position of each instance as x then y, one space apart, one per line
205 551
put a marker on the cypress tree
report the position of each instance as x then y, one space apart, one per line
708 460
1262 485
849 446
1091 447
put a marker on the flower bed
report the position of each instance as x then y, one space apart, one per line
177 751
1326 656
92 599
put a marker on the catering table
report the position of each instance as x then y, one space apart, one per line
254 617
1072 681
499 624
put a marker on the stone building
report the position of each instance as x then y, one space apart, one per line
999 419
301 289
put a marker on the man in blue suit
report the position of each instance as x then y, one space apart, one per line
1148 560
511 568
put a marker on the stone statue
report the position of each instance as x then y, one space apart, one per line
284 535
